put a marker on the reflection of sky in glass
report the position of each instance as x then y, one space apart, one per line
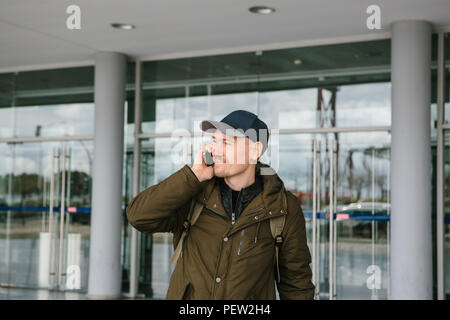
289 109
356 105
447 110
187 113
364 105
36 157
291 155
294 162
6 122
47 121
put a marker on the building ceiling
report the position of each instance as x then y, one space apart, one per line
36 35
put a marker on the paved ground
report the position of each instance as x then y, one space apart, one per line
34 294
352 273
30 294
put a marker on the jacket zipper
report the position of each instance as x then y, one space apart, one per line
257 231
233 214
240 242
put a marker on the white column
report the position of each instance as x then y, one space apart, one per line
106 219
411 245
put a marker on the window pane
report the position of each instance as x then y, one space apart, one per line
340 85
47 103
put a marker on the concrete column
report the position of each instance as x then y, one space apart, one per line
411 246
106 219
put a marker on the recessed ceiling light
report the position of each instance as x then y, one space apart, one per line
123 26
298 61
261 10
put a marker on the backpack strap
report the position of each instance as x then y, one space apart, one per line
194 212
276 227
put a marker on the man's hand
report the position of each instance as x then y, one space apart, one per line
200 169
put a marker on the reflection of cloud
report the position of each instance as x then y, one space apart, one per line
225 103
21 165
356 105
364 105
6 122
295 158
183 113
289 108
55 120
36 157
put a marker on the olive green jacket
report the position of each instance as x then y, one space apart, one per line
224 261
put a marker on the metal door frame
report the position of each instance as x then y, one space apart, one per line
62 156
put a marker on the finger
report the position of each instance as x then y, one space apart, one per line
199 157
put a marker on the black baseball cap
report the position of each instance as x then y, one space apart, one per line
240 123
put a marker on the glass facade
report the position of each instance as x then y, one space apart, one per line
50 103
336 97
293 90
46 158
30 240
45 178
179 93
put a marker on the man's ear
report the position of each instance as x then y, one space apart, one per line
256 151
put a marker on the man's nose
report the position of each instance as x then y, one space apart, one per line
215 148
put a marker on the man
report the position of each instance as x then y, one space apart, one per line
229 253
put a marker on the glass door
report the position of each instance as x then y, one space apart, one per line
342 182
60 250
349 218
45 214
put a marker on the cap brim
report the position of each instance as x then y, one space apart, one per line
209 126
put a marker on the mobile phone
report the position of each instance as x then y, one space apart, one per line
208 158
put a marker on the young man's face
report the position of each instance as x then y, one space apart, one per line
232 155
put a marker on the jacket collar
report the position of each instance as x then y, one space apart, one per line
246 195
270 199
